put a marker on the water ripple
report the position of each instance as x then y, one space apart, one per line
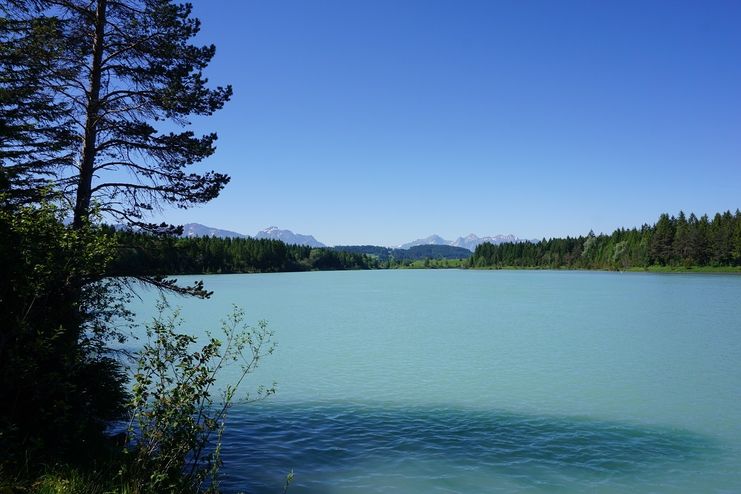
364 448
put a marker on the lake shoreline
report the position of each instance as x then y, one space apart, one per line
650 269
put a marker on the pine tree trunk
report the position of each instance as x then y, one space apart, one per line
87 161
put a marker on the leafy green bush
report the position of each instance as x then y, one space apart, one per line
176 423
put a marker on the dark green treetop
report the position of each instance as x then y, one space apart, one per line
128 79
36 129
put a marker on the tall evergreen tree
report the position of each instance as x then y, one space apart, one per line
36 135
699 240
95 97
130 75
681 242
737 238
661 242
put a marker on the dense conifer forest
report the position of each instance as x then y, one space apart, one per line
415 253
96 103
676 243
146 254
680 242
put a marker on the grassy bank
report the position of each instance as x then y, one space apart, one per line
690 269
648 269
104 475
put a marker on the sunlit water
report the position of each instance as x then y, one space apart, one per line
486 381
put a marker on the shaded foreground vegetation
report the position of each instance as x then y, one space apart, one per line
63 386
95 101
673 243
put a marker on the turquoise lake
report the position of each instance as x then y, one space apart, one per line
419 381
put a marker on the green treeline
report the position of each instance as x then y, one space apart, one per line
673 242
146 254
142 254
424 257
679 242
415 253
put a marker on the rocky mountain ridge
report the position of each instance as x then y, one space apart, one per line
274 233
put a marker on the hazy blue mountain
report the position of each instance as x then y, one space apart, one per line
471 241
287 236
468 242
431 240
198 230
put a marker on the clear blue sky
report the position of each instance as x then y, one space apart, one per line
378 122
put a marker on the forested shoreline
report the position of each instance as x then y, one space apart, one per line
141 253
98 100
146 254
672 243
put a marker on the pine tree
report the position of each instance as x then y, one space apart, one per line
699 240
129 76
681 242
661 241
36 137
737 238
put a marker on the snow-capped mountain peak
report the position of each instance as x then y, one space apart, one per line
287 236
198 230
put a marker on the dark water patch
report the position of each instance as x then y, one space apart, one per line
366 448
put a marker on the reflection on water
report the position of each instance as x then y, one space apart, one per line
366 448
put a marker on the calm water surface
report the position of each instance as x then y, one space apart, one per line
486 381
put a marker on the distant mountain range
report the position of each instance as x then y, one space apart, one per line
287 236
272 233
198 230
468 242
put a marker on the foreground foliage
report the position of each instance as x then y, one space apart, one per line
59 384
95 101
62 386
176 425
